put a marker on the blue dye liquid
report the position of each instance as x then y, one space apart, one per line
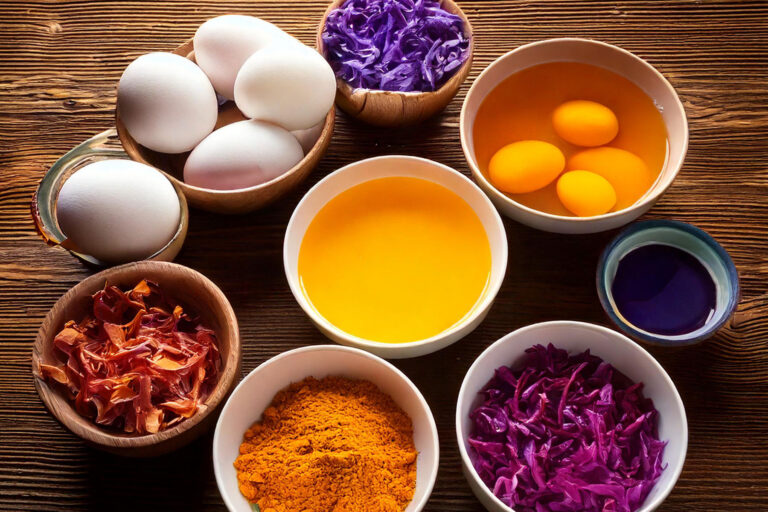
664 290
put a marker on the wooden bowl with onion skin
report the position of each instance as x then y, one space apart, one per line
226 201
393 108
190 288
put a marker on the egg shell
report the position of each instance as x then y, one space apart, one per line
308 138
585 193
625 171
242 155
289 86
229 113
585 123
118 210
166 102
525 166
224 43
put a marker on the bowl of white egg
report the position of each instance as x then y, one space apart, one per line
236 116
107 209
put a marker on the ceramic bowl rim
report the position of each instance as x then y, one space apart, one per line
644 202
434 437
470 471
480 308
722 254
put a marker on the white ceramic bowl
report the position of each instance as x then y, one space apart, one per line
256 391
380 167
614 348
599 54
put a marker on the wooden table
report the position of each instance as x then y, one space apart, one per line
59 65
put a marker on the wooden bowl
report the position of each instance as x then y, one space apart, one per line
226 201
392 108
181 283
43 206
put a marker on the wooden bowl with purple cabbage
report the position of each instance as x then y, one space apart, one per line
396 65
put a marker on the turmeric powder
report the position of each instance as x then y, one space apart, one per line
330 445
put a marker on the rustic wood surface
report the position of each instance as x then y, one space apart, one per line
59 64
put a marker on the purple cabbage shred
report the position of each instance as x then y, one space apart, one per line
566 434
394 45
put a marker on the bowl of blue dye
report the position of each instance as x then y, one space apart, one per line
667 283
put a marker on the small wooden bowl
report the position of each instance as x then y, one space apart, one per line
226 201
181 283
392 108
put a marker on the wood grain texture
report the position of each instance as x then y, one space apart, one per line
59 65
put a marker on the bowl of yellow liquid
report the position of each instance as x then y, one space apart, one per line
397 255
573 135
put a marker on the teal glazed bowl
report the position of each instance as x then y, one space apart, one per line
687 238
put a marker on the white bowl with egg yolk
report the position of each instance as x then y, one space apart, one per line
599 54
397 166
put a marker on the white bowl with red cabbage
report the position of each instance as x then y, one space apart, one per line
544 425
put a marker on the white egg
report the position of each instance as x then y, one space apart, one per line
290 86
166 102
242 155
223 43
118 210
308 138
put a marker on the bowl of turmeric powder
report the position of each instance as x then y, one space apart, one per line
325 427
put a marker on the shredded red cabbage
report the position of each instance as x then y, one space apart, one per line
566 434
394 45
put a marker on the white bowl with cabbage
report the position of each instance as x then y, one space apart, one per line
542 425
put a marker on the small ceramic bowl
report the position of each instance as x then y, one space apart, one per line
256 391
690 239
599 54
575 337
100 147
380 167
392 108
226 201
190 288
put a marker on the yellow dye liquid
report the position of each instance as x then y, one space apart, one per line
395 260
521 108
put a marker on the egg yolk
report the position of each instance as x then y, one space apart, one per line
585 123
585 193
625 171
525 166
